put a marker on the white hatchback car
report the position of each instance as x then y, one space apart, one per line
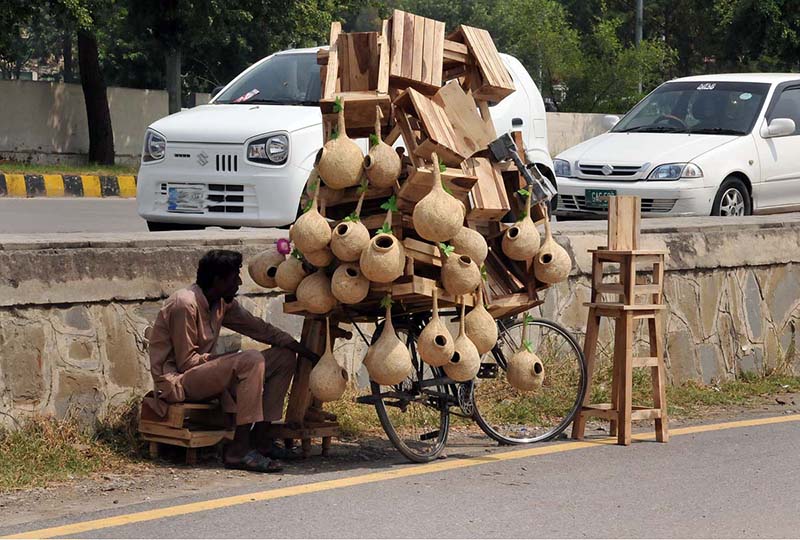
243 159
723 145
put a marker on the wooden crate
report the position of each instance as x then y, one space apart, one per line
488 199
435 128
420 181
416 52
495 83
356 71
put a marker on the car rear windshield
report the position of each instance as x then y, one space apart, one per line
724 108
290 79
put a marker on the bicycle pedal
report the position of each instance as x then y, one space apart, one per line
488 371
428 436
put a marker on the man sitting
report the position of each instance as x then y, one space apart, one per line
252 385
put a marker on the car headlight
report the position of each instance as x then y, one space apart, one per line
674 171
563 168
155 146
273 150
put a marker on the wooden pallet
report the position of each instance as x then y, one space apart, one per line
416 52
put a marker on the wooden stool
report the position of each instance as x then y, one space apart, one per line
190 425
626 311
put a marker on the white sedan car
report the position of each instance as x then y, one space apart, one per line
721 145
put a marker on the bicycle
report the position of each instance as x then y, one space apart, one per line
415 414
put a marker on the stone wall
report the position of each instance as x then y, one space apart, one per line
73 308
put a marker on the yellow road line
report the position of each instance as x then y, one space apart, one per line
91 186
415 470
127 186
15 183
53 185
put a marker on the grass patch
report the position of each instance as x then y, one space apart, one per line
693 398
44 451
17 167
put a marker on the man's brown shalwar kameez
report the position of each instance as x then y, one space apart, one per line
251 384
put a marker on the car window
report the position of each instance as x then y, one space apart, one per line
284 78
788 106
697 107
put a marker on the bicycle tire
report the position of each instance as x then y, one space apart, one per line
575 404
415 453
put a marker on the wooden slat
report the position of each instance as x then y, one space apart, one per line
455 52
420 181
437 55
488 198
409 35
420 27
396 43
425 60
468 127
645 361
383 64
332 71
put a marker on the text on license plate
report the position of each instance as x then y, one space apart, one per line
598 198
186 199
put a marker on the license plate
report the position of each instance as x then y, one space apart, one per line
186 199
598 198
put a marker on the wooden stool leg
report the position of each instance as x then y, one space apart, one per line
616 379
191 456
153 450
589 351
624 355
326 445
658 375
306 445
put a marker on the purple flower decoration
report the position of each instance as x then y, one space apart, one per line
284 248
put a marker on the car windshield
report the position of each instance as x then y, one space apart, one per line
290 79
724 108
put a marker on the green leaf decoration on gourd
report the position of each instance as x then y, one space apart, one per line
385 229
447 249
374 140
523 192
442 166
362 187
386 301
308 206
353 218
390 204
296 254
337 105
484 273
446 189
528 318
334 135
528 345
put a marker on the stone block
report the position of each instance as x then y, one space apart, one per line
752 306
22 349
78 395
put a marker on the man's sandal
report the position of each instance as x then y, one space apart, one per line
253 461
281 452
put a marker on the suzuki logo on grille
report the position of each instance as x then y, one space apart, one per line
202 159
607 169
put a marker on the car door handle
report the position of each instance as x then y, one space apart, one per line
516 122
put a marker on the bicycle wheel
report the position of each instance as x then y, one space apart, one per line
415 417
511 416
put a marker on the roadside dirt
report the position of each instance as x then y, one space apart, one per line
147 482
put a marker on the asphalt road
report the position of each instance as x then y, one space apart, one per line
712 481
62 215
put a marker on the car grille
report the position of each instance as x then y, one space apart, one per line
618 172
227 162
578 203
225 198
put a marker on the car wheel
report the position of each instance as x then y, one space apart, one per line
157 226
732 199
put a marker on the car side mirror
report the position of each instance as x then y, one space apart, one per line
609 121
217 90
778 127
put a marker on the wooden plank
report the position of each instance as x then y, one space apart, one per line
383 63
657 372
645 361
488 198
397 24
313 337
332 71
437 55
454 52
623 353
409 35
424 26
469 128
426 59
589 352
623 222
420 181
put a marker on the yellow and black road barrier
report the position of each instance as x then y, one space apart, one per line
66 185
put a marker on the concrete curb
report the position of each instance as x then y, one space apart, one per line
67 185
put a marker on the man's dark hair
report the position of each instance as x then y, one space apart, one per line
217 262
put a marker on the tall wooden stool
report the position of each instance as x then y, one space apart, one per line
637 298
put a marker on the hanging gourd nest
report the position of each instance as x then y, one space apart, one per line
383 260
340 160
